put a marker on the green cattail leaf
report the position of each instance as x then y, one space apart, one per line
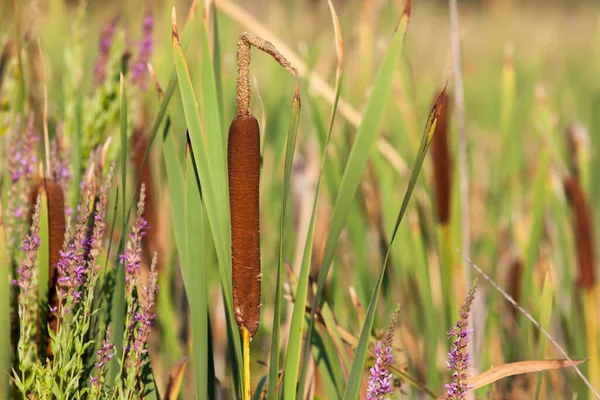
43 258
118 305
545 313
171 86
195 276
359 153
360 355
5 293
216 141
294 350
357 160
212 200
289 158
540 189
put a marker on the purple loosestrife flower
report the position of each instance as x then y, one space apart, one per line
103 356
380 380
21 165
104 52
28 296
139 70
144 317
458 357
72 271
132 256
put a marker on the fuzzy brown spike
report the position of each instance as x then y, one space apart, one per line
442 162
515 275
582 223
244 172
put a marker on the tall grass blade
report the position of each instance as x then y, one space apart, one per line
353 387
211 198
359 153
294 350
118 300
289 158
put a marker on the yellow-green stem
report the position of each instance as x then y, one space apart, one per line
247 394
591 323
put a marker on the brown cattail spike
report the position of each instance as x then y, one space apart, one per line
243 160
583 232
442 162
244 172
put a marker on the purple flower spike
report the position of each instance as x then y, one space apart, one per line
30 245
139 70
381 380
458 357
132 257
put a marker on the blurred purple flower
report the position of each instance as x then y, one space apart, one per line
72 271
144 317
458 358
30 245
60 155
104 45
103 356
21 165
132 256
139 70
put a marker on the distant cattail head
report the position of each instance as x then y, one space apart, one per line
582 222
577 139
442 161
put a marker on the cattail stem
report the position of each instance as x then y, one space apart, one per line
246 41
591 323
246 346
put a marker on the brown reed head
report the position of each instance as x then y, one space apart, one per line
244 172
243 160
442 162
582 224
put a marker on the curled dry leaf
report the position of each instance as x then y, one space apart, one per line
175 379
517 368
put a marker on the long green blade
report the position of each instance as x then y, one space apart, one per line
360 355
194 276
211 198
357 160
359 154
289 158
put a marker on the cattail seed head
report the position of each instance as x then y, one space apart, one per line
244 173
583 232
442 162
